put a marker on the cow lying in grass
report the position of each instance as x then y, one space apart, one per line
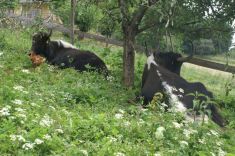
169 60
65 55
157 78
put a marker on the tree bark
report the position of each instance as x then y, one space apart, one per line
72 20
130 27
129 57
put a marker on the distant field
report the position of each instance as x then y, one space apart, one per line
222 58
215 80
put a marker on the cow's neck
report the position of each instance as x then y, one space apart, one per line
51 49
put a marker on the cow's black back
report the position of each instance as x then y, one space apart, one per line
64 55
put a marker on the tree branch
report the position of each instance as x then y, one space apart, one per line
140 12
138 15
140 30
124 11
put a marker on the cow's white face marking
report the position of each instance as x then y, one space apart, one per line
150 60
65 44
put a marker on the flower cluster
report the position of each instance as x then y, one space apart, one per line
46 121
5 111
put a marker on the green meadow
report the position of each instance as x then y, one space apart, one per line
49 111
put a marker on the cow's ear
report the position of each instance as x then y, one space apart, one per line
156 54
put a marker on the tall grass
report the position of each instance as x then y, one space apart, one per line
48 111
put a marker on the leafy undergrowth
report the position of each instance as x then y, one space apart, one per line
48 111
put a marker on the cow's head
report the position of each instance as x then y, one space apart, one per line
39 42
170 60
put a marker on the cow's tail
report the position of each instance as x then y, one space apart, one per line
216 116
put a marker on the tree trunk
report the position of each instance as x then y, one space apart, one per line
129 57
72 20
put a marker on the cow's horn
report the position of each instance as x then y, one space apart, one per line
50 33
147 52
184 59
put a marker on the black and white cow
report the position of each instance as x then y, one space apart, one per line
157 78
65 55
169 60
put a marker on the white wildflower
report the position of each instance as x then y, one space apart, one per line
20 110
118 116
17 102
59 131
181 90
1 53
112 139
143 109
84 152
188 132
212 154
28 146
177 125
21 138
25 71
5 111
126 123
33 104
183 143
110 78
21 116
12 117
47 137
52 107
38 141
13 137
219 143
140 122
202 141
25 92
193 131
119 154
17 137
121 111
19 88
157 154
209 134
159 133
66 112
214 133
221 152
46 121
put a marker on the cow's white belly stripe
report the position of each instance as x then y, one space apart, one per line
173 99
65 44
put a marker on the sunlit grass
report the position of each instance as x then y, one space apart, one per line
213 79
228 58
48 111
